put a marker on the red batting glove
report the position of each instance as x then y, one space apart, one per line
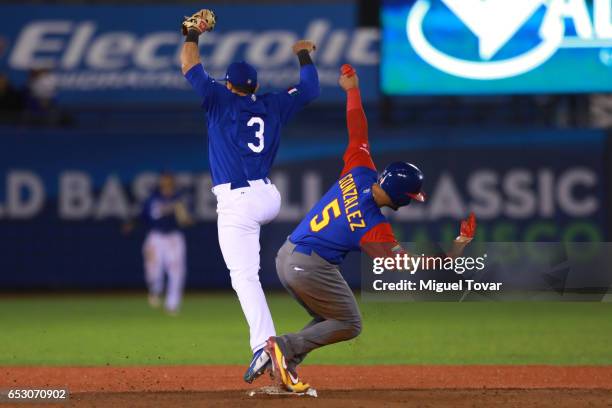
468 229
347 70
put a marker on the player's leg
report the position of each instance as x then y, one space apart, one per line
324 293
281 258
269 200
299 358
153 266
321 290
239 241
176 270
241 214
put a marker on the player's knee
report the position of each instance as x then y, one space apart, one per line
241 278
352 327
355 328
245 273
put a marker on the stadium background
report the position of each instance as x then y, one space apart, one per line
533 167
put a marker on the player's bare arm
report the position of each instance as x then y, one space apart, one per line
192 28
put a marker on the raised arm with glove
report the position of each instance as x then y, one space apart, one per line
192 27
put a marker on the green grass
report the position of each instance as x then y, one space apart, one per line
122 330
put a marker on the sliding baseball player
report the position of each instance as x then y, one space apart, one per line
347 218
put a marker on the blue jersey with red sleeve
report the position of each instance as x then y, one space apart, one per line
244 131
347 218
337 224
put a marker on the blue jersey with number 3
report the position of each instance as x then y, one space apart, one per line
244 131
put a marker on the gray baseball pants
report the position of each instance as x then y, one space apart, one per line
320 288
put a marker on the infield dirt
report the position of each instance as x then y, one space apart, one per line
337 386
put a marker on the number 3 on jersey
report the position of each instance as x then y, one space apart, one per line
259 134
334 208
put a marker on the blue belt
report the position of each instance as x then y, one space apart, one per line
303 250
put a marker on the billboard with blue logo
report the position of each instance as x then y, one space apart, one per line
496 46
100 53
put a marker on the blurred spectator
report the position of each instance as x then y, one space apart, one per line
11 100
41 91
41 104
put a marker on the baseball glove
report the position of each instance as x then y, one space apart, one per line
203 20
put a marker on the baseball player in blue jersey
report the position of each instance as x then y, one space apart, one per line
243 138
347 218
164 214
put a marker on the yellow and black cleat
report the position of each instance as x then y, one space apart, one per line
280 372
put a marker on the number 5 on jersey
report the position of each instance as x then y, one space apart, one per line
259 134
317 225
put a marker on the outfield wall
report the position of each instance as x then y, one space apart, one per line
65 194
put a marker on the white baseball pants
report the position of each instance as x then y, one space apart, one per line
241 213
165 253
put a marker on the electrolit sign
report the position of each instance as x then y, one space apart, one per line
496 46
96 54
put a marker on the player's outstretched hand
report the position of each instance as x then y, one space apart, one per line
348 77
304 45
468 229
203 20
